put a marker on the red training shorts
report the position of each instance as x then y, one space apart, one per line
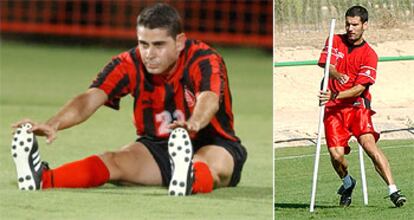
342 123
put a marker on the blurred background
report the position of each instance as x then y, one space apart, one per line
304 22
225 22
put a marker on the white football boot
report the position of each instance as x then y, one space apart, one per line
25 153
180 150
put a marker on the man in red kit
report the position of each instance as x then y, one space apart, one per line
352 71
182 114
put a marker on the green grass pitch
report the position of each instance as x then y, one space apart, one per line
293 181
37 79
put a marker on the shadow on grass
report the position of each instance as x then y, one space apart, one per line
300 206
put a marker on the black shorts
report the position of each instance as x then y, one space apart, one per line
159 150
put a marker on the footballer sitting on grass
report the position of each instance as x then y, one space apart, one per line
182 114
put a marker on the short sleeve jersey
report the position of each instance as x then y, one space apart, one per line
159 100
358 62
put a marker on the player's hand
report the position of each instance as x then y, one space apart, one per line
191 127
343 78
39 129
324 97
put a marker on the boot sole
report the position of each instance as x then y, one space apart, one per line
181 152
26 158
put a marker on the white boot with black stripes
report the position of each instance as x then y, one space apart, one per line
25 153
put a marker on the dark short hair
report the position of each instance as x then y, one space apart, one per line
357 11
161 15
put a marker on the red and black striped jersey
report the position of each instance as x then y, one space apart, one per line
159 100
358 62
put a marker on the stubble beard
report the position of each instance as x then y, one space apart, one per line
357 39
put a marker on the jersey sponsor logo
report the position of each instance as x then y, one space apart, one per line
335 52
337 55
189 97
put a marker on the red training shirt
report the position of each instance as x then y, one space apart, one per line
358 62
159 100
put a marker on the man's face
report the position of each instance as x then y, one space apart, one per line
354 29
159 50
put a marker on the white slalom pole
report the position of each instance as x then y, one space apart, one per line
363 176
321 115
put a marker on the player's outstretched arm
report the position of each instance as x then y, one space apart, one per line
72 113
206 107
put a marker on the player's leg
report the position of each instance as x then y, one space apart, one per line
337 137
340 165
223 158
381 164
363 129
338 161
132 164
212 167
219 162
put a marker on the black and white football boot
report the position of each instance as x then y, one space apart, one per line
397 198
346 194
25 153
180 150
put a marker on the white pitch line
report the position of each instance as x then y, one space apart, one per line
326 154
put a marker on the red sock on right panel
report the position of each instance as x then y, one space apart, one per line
203 180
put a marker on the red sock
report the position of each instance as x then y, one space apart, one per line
203 180
89 172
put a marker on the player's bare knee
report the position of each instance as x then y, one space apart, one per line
217 179
337 158
221 174
109 159
367 141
